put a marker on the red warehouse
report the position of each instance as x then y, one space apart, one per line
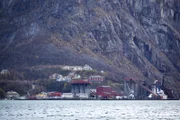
104 92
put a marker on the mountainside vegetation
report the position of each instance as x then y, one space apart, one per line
125 38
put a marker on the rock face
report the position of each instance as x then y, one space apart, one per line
137 38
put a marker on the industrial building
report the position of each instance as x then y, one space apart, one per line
105 92
12 95
138 89
80 88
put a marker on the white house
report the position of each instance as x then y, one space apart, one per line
76 76
55 76
71 74
67 78
60 78
66 67
73 68
87 67
76 68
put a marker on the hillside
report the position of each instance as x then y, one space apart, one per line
137 38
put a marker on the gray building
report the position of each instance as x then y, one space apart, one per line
80 87
12 95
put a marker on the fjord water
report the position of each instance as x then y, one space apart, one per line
89 110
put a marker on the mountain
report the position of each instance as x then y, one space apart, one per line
127 38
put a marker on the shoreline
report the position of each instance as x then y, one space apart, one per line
100 99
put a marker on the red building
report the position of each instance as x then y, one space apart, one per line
104 92
114 94
96 78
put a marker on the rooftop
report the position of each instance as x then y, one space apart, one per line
130 78
105 86
80 82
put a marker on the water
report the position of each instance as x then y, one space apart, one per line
89 110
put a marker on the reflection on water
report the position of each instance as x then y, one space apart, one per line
89 110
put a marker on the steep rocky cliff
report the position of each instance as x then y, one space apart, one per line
137 38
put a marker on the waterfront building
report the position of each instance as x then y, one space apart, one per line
54 95
12 95
42 95
67 96
80 87
104 92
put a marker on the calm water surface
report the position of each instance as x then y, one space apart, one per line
89 110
